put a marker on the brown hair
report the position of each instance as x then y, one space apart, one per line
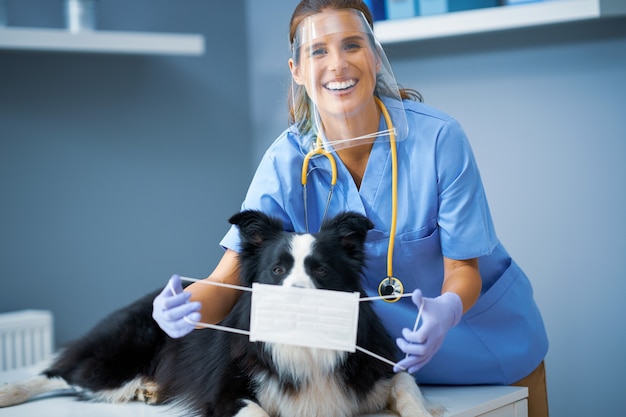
299 106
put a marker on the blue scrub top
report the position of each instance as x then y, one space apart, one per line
442 211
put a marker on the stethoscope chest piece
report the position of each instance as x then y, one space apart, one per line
390 286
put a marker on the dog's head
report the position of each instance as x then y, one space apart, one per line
331 259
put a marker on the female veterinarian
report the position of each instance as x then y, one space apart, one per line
358 142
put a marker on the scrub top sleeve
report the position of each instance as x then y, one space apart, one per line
265 194
231 239
466 226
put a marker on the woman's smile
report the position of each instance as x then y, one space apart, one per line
340 86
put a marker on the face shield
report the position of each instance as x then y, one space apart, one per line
338 67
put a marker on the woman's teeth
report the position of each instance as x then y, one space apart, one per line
343 85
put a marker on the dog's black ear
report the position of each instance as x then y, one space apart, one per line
351 227
255 227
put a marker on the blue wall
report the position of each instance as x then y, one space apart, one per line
117 171
544 109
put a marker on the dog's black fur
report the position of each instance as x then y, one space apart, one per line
216 373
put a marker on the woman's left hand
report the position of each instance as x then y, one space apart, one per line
439 315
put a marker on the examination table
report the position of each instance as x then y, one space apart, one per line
486 401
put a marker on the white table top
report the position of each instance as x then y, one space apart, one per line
471 401
464 401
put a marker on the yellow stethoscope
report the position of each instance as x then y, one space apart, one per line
390 285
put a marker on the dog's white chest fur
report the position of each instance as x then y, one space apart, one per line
320 390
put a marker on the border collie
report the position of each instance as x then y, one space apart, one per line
128 357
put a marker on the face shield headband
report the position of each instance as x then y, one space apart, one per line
338 67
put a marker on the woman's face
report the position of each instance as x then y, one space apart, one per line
337 64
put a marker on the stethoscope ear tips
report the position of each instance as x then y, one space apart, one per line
391 288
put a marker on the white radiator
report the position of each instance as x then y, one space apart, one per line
26 338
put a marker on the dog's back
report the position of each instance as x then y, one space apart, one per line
117 349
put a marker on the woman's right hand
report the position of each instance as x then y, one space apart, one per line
172 306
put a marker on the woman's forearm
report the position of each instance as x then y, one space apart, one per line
216 301
462 278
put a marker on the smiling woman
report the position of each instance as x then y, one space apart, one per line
335 62
409 168
337 69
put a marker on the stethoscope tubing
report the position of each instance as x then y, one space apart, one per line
319 150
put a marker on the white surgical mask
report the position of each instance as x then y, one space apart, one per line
301 316
304 317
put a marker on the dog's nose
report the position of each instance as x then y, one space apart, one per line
298 284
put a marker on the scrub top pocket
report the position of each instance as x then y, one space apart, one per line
422 260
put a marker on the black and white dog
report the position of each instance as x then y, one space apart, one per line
128 357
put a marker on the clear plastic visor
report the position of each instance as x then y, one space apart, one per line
338 67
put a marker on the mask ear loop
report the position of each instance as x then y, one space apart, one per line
247 333
209 325
417 320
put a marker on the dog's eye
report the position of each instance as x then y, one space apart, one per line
320 271
278 270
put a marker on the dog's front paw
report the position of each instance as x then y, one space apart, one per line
407 400
436 410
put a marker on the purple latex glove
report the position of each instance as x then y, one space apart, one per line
171 306
439 315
